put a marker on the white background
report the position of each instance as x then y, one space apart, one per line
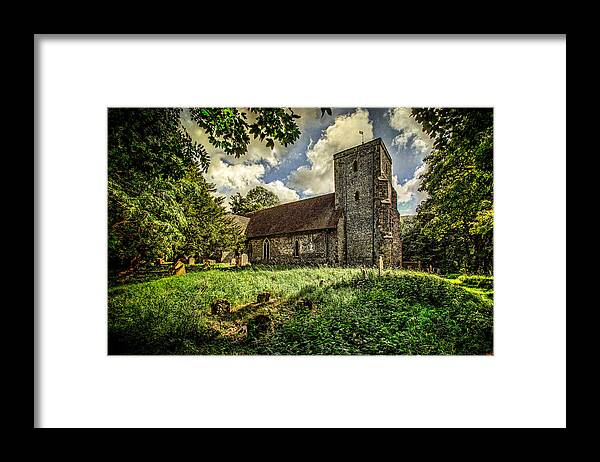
522 385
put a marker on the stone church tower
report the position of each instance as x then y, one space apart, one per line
369 226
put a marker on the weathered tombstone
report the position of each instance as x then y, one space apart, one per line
258 325
191 261
307 304
263 297
220 306
364 272
179 268
208 263
242 260
232 261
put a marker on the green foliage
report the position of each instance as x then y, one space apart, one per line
398 313
151 143
257 198
456 221
159 204
230 130
416 246
163 218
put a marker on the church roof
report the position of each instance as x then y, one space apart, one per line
304 215
239 220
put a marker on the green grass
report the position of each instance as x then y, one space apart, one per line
313 311
480 285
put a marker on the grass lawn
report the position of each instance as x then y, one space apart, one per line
311 311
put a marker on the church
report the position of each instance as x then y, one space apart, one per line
355 225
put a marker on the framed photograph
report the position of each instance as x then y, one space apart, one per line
367 233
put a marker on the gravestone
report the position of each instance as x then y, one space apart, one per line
259 325
307 304
179 268
220 306
263 297
242 260
191 261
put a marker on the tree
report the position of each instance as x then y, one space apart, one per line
163 218
458 215
230 130
159 204
257 198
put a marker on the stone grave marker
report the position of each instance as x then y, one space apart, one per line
259 325
242 260
263 297
179 268
220 306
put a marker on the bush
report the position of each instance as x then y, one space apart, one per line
400 315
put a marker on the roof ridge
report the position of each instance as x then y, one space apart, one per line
290 203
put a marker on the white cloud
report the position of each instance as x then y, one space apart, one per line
307 115
410 188
284 193
233 175
413 144
411 134
317 177
235 178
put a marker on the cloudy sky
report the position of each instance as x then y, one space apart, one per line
305 169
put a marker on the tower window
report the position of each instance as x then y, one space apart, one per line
355 166
356 196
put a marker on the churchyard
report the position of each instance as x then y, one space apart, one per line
223 309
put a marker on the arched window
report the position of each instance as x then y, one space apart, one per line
356 196
266 250
355 166
296 248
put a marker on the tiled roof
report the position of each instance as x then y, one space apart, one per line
239 220
305 215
